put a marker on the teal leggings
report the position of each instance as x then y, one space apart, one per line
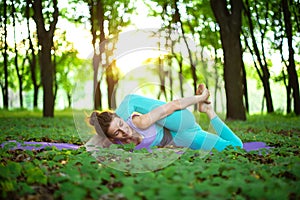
182 125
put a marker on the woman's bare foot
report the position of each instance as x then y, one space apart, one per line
202 106
205 106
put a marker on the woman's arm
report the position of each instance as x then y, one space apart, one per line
136 103
146 120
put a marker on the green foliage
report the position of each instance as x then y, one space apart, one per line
76 174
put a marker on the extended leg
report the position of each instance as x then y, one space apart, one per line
198 139
220 127
179 120
225 132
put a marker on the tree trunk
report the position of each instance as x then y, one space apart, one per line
285 81
69 97
5 62
54 77
162 79
216 80
111 80
97 96
293 78
47 75
95 56
230 28
264 73
45 40
177 19
267 94
179 60
19 74
288 91
97 21
32 60
245 88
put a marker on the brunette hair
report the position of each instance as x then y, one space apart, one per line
101 121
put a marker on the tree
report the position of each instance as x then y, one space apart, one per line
19 70
291 68
31 57
201 23
67 65
112 77
228 17
173 23
97 29
4 85
260 10
111 13
177 20
45 40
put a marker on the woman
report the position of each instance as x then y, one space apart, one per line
147 122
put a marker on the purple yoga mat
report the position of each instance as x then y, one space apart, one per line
40 145
248 146
255 146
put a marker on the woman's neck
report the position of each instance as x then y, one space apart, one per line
136 138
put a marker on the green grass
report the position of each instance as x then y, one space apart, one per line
75 174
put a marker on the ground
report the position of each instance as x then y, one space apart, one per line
76 174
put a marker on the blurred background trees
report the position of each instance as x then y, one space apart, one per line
239 45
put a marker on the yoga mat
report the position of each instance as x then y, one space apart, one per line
39 145
248 146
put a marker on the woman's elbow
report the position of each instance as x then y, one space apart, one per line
141 122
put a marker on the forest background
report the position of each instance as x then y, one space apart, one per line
60 57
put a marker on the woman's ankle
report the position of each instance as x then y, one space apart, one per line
211 113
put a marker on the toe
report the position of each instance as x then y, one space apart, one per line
200 88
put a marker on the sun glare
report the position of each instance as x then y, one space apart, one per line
135 59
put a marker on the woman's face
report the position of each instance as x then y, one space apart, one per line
119 129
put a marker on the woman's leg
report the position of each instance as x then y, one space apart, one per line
198 139
178 121
225 132
220 127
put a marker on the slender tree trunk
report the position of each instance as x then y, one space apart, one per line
293 78
32 61
267 94
111 80
95 56
112 75
110 89
245 88
5 62
177 19
69 97
45 40
162 76
169 43
97 92
2 89
54 77
230 29
263 72
288 92
179 60
216 79
19 74
97 21
170 76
